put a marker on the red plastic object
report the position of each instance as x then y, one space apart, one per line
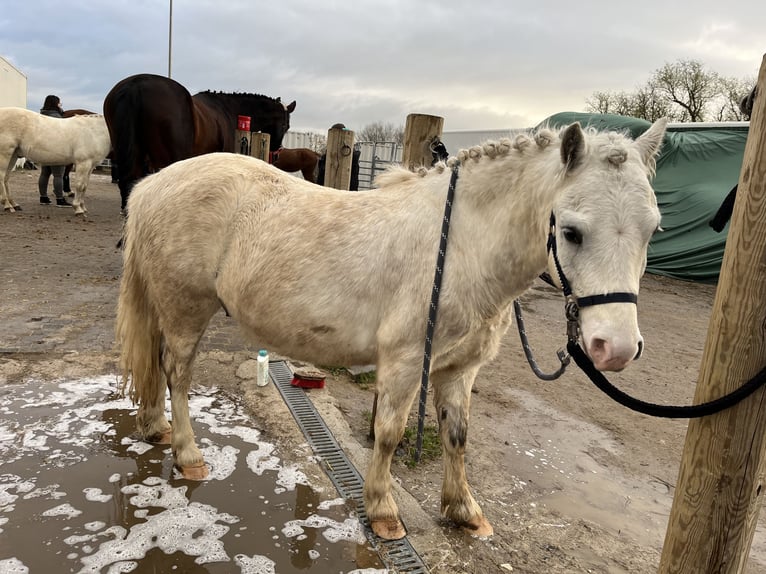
307 383
243 123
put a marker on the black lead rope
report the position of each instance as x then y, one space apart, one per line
432 311
663 411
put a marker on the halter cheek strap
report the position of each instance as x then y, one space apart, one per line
575 303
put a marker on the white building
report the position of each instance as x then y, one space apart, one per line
13 85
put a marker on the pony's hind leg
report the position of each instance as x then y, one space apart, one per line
179 351
395 396
81 176
5 191
452 398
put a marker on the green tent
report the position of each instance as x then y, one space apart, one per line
697 167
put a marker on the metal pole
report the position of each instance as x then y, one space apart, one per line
170 36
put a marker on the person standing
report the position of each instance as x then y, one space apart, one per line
52 107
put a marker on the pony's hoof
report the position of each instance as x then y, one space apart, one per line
478 526
197 471
389 529
161 438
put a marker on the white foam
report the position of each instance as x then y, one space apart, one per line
335 531
65 509
327 504
13 566
255 564
289 476
140 447
195 530
96 495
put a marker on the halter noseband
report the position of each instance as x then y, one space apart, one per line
574 304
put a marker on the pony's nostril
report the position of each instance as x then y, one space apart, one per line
640 350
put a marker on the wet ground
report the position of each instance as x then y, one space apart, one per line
79 494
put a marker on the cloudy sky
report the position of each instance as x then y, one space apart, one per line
483 64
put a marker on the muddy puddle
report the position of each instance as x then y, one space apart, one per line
80 493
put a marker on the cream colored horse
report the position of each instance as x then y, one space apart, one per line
338 278
81 140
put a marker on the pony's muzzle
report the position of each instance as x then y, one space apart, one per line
613 354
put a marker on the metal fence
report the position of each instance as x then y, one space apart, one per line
376 157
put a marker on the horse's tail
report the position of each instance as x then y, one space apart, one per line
138 332
122 108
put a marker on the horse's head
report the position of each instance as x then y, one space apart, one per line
277 122
604 220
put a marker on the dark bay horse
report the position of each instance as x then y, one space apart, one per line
300 159
154 121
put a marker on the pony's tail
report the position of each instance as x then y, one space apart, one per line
138 332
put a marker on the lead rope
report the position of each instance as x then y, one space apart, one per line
562 355
432 312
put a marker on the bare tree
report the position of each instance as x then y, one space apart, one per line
683 91
381 132
648 103
731 91
689 87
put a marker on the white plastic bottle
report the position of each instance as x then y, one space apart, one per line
262 377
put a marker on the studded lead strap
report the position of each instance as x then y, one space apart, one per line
432 311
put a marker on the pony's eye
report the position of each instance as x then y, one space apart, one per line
572 235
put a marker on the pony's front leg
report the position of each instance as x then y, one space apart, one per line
396 387
452 399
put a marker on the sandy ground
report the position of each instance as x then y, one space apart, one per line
571 481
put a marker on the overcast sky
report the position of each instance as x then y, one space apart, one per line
480 64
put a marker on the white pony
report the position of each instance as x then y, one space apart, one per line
81 140
339 278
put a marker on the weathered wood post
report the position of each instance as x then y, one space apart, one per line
420 131
340 148
242 142
721 479
259 145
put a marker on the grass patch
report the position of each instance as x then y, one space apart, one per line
365 380
432 446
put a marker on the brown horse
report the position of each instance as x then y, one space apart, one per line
300 159
154 121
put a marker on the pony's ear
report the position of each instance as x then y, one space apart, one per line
572 146
291 107
650 142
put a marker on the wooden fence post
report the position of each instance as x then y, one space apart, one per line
420 131
340 148
259 146
718 495
242 142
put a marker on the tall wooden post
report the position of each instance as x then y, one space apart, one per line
242 142
259 145
420 132
340 153
718 496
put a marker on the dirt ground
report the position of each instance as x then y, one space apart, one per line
571 481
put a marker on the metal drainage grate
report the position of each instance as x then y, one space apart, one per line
398 555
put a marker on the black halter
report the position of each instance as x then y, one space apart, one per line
574 304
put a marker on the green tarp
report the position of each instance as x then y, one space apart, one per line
697 167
